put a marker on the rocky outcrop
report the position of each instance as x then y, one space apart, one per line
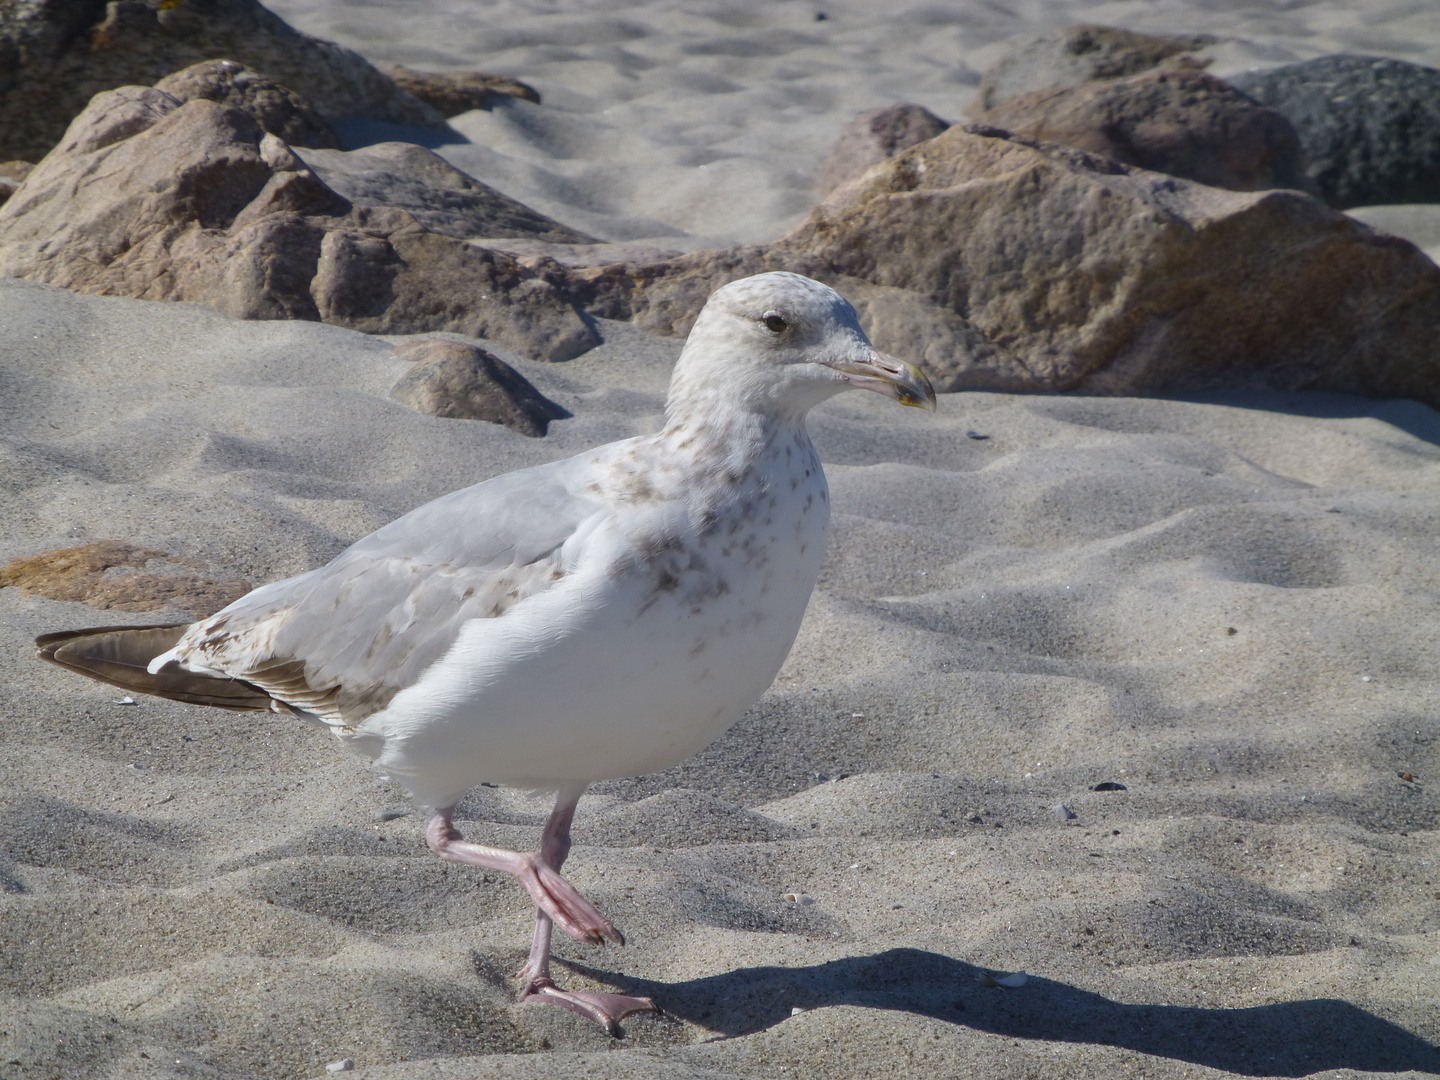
150 197
873 136
1080 54
57 54
1025 265
998 260
1185 123
1370 126
451 93
460 382
434 192
277 109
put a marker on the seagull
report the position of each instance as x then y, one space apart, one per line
602 616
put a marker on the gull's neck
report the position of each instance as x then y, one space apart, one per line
719 436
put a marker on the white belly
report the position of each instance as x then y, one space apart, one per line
627 666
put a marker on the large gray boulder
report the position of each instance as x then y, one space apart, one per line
1370 126
153 198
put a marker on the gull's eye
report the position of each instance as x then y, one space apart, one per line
773 322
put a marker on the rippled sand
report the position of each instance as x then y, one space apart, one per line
1227 606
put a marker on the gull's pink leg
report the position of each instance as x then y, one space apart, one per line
557 901
552 894
607 1010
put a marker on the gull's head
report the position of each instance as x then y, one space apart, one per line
782 343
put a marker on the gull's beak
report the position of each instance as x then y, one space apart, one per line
886 375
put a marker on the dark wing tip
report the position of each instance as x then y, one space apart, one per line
121 655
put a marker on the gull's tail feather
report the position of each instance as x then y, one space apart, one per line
119 655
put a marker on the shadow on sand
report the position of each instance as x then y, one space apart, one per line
1411 417
1293 1038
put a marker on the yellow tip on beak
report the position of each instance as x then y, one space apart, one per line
894 378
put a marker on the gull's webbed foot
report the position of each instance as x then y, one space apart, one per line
607 1010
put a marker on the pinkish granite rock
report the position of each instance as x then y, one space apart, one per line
153 198
872 137
1008 263
1184 123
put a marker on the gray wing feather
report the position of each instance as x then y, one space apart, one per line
342 640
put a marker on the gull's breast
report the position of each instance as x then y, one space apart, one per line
633 663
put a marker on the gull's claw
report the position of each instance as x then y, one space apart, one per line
565 905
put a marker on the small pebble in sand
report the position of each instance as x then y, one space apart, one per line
799 898
796 1011
343 1065
1409 778
127 700
1109 785
1063 812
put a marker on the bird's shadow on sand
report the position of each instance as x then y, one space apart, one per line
1292 1038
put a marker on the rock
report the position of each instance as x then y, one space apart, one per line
1055 270
382 272
57 54
12 175
451 93
873 136
1104 279
1185 123
1062 812
438 195
596 254
461 382
905 323
1083 53
1370 126
136 170
277 109
153 198
1417 222
114 575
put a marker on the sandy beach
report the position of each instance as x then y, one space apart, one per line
1204 626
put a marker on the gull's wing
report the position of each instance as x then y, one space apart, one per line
341 641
